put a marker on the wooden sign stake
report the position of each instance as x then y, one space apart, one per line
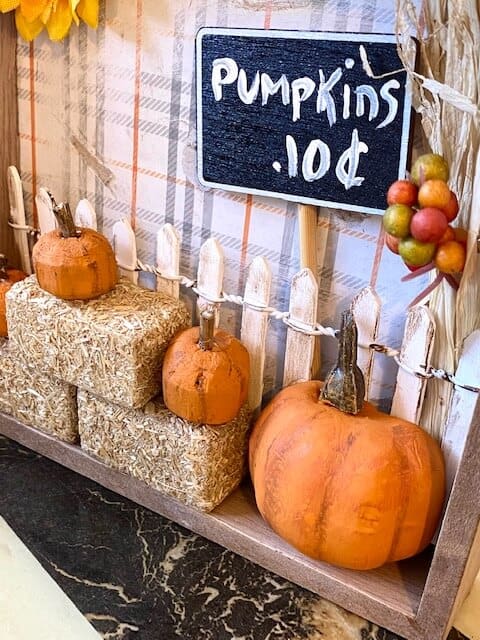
307 230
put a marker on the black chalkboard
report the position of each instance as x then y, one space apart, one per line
295 115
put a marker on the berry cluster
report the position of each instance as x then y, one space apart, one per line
417 220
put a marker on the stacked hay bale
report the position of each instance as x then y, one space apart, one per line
111 349
35 397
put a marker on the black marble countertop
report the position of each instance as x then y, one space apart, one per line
138 576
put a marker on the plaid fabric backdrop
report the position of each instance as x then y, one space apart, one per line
110 115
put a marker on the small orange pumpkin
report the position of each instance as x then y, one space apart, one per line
74 264
205 374
356 491
8 277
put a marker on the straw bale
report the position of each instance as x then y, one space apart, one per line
37 398
112 346
197 464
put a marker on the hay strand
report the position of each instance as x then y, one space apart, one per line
112 346
195 463
37 398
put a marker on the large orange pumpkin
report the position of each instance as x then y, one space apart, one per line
356 491
205 374
8 277
74 264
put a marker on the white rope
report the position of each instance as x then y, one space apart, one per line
148 268
307 329
23 227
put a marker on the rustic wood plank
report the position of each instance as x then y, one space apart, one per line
471 570
255 324
85 215
211 267
453 566
168 260
416 353
366 312
125 247
9 147
299 348
462 406
17 217
46 218
388 596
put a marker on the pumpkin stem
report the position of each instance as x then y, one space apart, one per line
3 267
65 220
207 330
344 386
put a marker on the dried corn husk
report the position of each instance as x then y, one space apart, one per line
197 464
36 398
447 97
112 346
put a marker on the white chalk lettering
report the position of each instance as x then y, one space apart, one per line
316 147
270 88
246 95
391 100
351 158
292 154
302 89
325 101
224 71
363 91
346 101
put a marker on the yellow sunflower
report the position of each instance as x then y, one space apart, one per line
32 16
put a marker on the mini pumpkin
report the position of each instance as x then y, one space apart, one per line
356 491
8 277
205 374
74 264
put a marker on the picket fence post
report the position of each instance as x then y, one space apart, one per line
168 260
46 218
366 307
415 353
17 217
210 275
300 347
125 248
85 215
255 325
462 406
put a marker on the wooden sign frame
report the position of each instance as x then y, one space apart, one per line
232 122
416 598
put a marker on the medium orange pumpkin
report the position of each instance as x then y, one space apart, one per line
74 264
205 374
356 491
8 277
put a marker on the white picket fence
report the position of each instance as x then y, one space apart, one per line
414 358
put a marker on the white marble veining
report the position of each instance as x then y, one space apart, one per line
136 575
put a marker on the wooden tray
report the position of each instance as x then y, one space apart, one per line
415 598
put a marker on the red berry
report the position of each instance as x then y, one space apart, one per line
428 225
402 192
451 209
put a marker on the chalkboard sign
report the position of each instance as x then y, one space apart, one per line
295 115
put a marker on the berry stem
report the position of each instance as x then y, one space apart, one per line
418 272
452 281
423 294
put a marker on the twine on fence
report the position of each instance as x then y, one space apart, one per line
311 330
24 227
